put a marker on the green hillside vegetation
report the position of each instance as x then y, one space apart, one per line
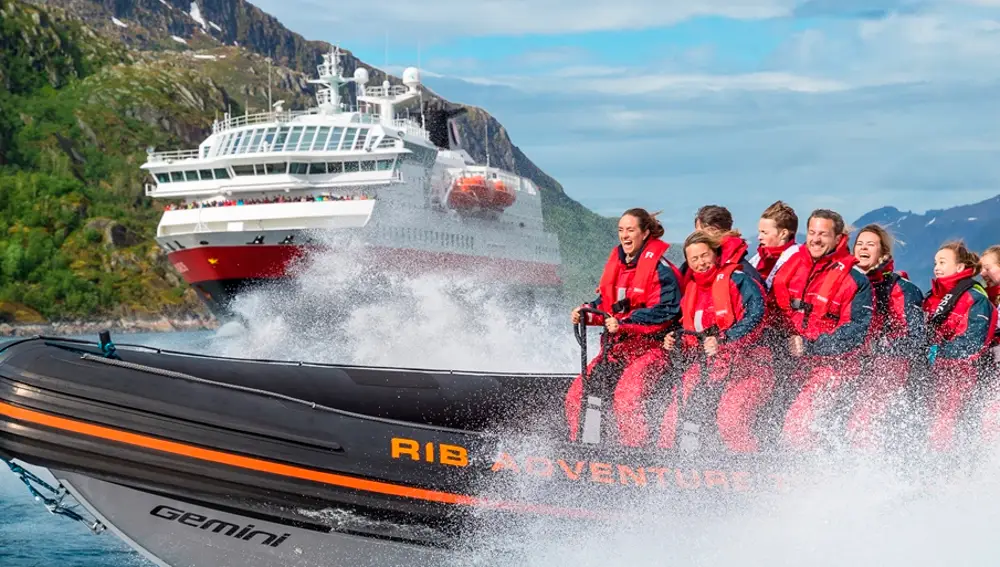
77 115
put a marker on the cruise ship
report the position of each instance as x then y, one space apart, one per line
248 203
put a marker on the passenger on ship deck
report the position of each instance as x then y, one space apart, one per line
896 340
718 221
640 288
726 376
961 327
827 303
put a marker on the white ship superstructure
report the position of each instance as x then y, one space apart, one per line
259 180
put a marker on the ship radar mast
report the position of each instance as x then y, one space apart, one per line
331 79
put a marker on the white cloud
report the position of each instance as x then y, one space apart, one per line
513 17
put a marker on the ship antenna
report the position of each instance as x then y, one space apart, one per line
420 94
270 103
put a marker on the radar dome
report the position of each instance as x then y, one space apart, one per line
361 75
411 77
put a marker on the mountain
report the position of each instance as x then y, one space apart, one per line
89 85
918 236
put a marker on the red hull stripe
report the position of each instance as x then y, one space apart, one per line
263 261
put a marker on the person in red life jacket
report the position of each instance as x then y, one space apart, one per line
897 338
961 326
641 289
718 221
990 272
827 303
776 235
725 382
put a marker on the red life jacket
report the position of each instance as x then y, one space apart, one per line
767 257
794 281
722 301
635 291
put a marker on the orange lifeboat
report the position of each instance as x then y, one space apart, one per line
503 196
468 193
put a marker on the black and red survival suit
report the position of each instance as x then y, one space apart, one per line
733 252
644 295
897 339
829 303
961 325
726 388
769 259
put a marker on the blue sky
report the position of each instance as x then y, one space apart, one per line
671 104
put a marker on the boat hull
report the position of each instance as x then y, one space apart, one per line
173 532
220 273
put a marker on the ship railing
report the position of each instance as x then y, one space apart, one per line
258 118
173 155
410 127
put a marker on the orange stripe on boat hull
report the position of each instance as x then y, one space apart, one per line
261 465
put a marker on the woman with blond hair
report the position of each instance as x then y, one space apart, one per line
961 325
896 338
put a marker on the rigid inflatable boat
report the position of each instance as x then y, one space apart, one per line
197 460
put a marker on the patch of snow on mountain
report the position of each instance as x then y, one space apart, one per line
196 14
930 222
179 39
205 56
118 22
215 25
972 218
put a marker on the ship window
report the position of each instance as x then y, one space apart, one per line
350 166
190 176
349 138
384 164
243 170
206 174
163 177
279 142
315 168
307 138
368 165
176 176
268 138
224 146
237 142
362 136
293 139
205 150
321 137
255 144
221 173
335 137
386 142
299 168
275 168
335 167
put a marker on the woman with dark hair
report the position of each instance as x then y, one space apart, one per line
895 341
961 324
727 376
640 290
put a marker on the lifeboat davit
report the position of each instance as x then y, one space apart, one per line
503 196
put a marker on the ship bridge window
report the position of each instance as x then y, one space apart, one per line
386 142
335 167
321 137
242 170
163 177
335 137
293 139
255 144
351 167
205 174
190 176
307 138
221 173
316 168
279 142
177 176
384 164
272 168
268 139
368 165
238 143
349 138
362 136
227 144
299 168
